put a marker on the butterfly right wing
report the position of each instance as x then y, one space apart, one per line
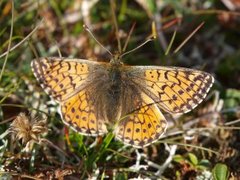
67 81
61 77
79 113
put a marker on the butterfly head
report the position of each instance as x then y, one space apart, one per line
116 60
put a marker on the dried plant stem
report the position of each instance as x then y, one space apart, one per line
9 44
18 44
184 42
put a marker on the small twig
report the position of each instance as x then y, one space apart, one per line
184 42
232 122
123 148
128 37
215 11
9 44
4 134
194 146
171 23
7 120
161 168
137 166
22 106
58 49
171 42
161 37
34 51
28 36
113 8
53 145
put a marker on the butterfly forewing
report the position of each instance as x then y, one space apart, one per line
175 90
60 77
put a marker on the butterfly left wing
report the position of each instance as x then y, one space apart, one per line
143 126
175 90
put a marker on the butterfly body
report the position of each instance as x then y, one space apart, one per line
114 80
94 95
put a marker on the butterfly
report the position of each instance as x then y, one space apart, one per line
96 95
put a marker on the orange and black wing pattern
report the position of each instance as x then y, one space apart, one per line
61 77
67 81
175 90
143 126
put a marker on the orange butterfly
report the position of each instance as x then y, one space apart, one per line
93 95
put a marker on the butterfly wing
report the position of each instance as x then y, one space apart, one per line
175 90
61 77
143 126
68 81
79 112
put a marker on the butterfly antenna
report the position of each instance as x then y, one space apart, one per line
145 42
89 31
150 38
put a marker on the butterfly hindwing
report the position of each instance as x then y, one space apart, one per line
143 126
78 111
